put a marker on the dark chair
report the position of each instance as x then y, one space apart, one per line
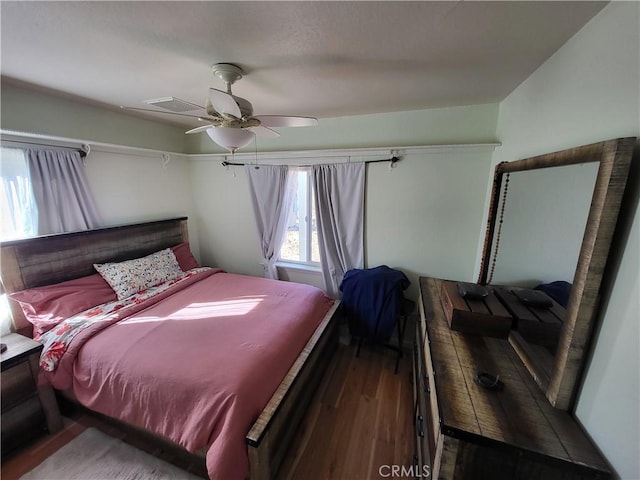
374 304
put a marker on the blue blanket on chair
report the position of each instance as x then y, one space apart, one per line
372 300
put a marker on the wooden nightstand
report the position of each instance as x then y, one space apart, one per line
27 410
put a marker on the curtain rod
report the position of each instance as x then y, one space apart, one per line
393 161
85 145
83 150
324 153
340 152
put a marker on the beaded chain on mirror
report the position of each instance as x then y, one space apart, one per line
499 232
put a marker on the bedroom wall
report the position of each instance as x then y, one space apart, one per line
32 110
465 124
423 217
587 92
129 185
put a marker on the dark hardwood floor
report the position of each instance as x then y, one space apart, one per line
359 421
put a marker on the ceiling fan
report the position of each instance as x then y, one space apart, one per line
231 123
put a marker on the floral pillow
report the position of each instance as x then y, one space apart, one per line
132 276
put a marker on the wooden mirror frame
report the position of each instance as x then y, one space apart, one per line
558 375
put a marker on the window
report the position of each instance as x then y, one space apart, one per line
301 242
18 211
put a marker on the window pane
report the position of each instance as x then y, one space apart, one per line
315 248
301 241
291 245
18 212
302 206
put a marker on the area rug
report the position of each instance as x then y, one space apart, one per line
92 455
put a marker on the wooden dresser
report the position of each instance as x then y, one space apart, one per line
27 410
465 431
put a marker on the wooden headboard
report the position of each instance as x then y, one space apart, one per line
50 259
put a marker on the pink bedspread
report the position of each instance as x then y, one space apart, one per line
199 366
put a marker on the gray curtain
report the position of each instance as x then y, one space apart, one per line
61 191
272 190
339 194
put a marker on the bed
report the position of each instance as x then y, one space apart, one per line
251 350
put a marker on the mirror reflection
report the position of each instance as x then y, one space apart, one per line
545 215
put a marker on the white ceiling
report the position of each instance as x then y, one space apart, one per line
322 59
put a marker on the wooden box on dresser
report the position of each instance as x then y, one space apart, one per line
27 410
465 431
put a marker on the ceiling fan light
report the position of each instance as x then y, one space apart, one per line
230 138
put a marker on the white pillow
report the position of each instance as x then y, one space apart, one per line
127 278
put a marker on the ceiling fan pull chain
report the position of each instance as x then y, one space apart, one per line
233 161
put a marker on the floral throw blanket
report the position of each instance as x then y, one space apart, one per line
57 340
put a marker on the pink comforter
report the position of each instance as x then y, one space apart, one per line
199 366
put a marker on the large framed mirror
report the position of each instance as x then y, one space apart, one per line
552 218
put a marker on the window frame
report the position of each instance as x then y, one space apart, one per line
306 226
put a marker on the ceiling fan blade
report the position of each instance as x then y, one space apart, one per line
210 110
199 117
263 131
224 103
199 129
286 121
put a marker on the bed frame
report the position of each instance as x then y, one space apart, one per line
51 259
